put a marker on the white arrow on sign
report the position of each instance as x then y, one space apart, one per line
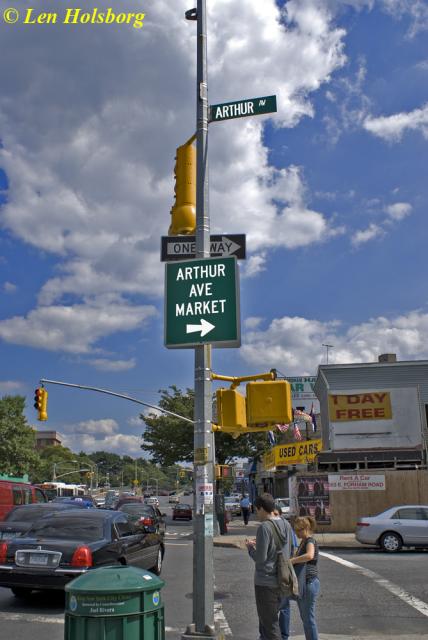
226 247
205 327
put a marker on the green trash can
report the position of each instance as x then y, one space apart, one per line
114 603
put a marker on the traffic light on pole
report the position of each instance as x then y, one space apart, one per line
41 403
183 213
231 410
269 403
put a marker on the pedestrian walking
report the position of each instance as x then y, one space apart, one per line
245 508
307 552
263 550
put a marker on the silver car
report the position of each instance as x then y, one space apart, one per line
401 526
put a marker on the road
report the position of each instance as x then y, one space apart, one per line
365 594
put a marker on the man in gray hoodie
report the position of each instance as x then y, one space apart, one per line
263 550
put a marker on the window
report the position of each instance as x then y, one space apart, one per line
124 528
39 495
17 495
410 513
27 496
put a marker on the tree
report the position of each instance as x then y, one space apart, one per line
18 439
170 440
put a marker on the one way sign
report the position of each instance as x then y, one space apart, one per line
184 247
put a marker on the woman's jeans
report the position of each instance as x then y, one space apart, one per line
307 612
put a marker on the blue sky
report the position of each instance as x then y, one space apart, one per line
331 192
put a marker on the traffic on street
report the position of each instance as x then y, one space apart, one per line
365 592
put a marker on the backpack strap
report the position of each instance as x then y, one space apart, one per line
276 537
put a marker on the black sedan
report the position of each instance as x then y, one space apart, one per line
62 546
20 519
182 512
146 517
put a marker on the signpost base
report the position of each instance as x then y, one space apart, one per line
210 633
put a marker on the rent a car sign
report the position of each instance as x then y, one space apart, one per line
373 405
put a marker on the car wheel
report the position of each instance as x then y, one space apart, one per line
391 542
21 592
158 566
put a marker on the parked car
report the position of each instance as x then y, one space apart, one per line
147 517
153 500
182 512
283 506
85 501
62 546
14 494
20 519
397 527
232 505
173 499
127 500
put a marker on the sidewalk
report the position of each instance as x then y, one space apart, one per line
238 532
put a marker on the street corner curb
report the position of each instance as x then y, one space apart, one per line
231 544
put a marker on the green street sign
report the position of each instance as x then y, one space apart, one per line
242 108
202 303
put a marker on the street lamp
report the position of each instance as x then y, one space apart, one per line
55 464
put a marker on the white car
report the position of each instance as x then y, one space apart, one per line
400 526
283 506
233 505
152 500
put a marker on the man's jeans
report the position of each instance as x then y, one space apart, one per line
307 612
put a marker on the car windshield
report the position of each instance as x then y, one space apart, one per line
84 528
183 506
231 500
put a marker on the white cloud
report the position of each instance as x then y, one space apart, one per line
96 428
399 210
416 10
392 128
135 421
373 231
252 322
254 265
10 386
102 364
293 345
119 443
89 136
75 328
9 287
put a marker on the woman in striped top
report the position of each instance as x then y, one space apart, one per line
308 553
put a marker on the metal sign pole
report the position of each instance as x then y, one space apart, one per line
203 566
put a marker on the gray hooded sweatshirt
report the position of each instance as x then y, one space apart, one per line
264 555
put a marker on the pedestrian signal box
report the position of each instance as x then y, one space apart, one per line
231 410
223 471
269 403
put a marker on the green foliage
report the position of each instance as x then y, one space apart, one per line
18 439
170 440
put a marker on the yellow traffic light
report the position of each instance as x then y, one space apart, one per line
231 411
182 473
269 403
183 213
41 403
